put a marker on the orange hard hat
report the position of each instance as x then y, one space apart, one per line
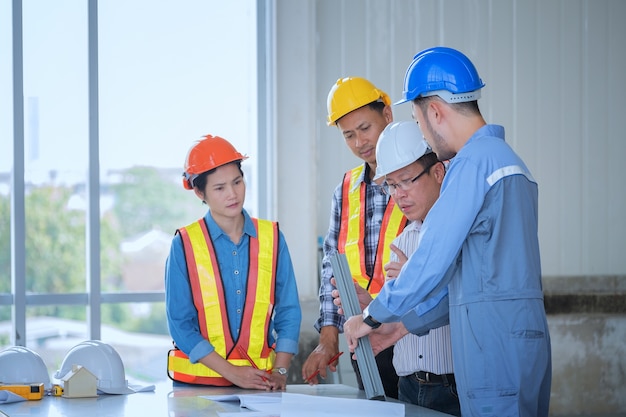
206 154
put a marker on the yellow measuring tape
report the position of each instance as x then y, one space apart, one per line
28 391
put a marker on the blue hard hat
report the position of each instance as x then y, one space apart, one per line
444 72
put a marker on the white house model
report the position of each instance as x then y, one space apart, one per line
79 383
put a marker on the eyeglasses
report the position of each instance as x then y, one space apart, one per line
404 185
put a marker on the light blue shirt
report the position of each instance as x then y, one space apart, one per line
233 259
480 239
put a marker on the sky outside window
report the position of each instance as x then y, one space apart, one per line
169 73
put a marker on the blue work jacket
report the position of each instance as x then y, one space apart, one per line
480 239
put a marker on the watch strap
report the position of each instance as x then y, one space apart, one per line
280 371
369 320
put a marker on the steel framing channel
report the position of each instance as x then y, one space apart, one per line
350 303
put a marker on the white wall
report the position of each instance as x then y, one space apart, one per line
554 74
296 148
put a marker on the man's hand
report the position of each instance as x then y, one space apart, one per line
386 335
393 268
353 329
364 297
322 354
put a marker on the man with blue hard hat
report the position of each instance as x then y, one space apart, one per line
480 240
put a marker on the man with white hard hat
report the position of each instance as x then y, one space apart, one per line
412 176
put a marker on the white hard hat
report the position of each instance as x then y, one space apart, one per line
399 144
101 360
22 366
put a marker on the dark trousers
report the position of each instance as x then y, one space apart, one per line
386 370
440 396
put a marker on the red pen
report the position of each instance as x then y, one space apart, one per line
316 373
243 353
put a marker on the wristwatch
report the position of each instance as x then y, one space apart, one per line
281 371
369 320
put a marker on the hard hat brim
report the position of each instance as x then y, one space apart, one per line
404 100
117 390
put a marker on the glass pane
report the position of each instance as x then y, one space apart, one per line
6 163
138 332
56 131
53 335
168 75
5 326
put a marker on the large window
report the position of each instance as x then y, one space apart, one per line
6 144
167 73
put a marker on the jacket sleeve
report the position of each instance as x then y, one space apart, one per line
435 317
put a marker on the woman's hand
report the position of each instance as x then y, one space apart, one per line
243 376
248 377
277 382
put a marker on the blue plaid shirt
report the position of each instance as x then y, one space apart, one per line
375 204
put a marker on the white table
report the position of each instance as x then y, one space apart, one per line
170 401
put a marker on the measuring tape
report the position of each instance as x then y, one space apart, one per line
30 391
56 391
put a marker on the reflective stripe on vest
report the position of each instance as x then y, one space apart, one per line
352 232
210 302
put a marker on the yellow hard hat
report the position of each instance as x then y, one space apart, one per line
351 93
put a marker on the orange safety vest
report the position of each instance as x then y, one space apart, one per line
352 232
209 300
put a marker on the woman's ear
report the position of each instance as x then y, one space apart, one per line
199 193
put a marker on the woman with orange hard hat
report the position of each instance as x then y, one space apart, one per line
230 290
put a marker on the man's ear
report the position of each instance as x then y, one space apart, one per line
388 114
439 171
436 108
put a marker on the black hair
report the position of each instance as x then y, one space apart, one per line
467 108
428 160
201 180
377 105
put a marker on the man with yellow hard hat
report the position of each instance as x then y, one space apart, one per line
363 221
